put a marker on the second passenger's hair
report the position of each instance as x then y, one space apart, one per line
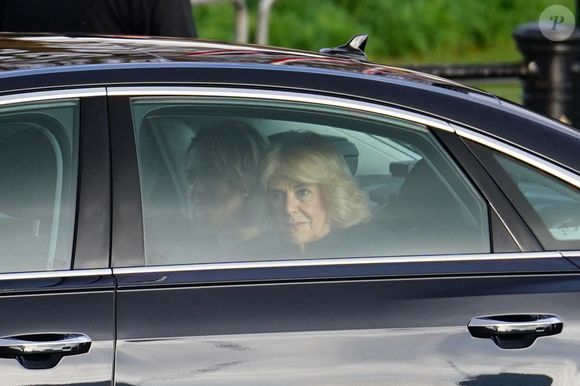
230 151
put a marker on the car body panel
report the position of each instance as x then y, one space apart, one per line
408 330
60 302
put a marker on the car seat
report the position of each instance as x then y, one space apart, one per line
424 214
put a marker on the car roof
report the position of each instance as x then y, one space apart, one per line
43 51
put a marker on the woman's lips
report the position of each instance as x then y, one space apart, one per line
297 224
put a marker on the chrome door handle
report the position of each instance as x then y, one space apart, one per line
515 331
43 351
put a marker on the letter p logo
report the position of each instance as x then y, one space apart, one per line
557 20
557 23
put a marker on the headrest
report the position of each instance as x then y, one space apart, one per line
27 172
342 145
348 150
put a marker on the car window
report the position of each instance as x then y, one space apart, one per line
38 174
550 206
229 180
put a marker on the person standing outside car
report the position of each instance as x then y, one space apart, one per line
112 17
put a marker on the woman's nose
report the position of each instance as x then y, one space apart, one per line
291 204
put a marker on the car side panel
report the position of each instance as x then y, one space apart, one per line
385 330
60 304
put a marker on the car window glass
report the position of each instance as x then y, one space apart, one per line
38 174
229 180
550 206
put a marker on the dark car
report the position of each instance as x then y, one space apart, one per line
379 227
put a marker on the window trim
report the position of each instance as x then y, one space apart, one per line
280 96
34 275
336 262
52 95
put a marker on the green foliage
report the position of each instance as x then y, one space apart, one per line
215 21
399 31
295 24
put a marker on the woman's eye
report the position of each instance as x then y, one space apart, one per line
303 192
275 197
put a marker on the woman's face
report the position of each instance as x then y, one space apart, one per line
300 210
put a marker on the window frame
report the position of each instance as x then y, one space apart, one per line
125 262
90 238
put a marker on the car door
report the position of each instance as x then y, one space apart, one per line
444 284
56 287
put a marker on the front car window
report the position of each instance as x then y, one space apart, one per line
229 180
38 174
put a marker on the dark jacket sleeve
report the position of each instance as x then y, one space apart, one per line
172 18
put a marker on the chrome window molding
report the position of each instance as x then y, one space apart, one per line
52 95
570 253
55 274
518 154
337 261
500 217
280 96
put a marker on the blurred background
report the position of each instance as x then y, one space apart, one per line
404 33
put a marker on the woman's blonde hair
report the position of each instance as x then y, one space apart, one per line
310 158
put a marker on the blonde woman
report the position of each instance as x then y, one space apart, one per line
312 194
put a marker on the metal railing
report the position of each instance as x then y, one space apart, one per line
550 73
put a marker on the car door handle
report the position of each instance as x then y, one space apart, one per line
515 331
43 351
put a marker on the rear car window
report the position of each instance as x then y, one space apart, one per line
226 180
